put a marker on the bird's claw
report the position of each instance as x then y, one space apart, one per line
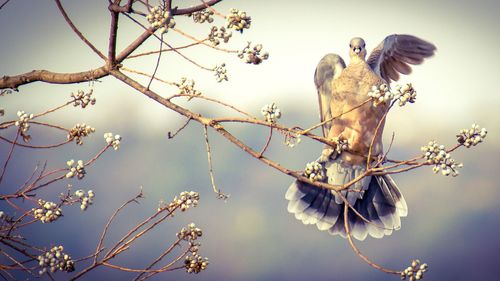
327 154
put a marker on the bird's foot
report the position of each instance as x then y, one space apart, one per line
327 154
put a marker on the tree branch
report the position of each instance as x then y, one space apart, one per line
357 251
220 129
135 44
190 10
112 35
13 82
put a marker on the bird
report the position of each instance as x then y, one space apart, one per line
340 89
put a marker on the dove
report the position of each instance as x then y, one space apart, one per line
341 91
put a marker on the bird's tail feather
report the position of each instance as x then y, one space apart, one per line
376 198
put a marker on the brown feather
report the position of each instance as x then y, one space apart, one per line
390 72
383 74
323 77
396 52
402 67
374 57
408 57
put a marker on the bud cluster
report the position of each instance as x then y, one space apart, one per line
47 211
184 201
342 144
219 33
437 155
238 20
80 131
189 233
220 72
83 99
160 18
271 112
85 199
314 171
113 140
55 260
253 55
186 87
380 94
415 271
202 16
405 94
23 125
194 263
472 136
292 139
78 170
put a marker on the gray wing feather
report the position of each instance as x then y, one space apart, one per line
395 54
329 68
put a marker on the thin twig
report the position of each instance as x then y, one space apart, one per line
215 101
35 146
18 262
110 220
121 245
150 31
4 3
267 141
376 135
53 109
78 33
19 250
157 260
157 63
162 269
89 162
31 177
198 41
10 154
171 135
220 129
190 10
166 50
148 75
8 274
86 257
333 118
125 245
212 9
217 191
357 251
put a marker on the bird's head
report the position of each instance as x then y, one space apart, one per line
357 48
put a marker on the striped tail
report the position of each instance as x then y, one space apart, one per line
376 198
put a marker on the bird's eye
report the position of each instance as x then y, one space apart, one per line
350 45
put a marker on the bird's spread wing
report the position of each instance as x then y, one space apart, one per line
329 68
395 54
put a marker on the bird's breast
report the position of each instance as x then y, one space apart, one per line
358 125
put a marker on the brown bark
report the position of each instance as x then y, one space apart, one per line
12 82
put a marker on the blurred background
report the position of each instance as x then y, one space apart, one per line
453 223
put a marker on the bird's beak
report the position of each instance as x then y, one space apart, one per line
357 50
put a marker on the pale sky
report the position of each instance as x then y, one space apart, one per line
454 87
